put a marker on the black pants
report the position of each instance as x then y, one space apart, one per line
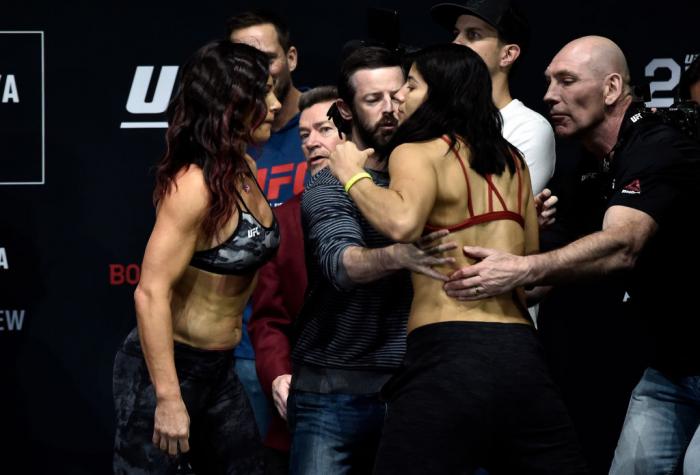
223 436
473 394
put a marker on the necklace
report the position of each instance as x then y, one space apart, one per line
246 180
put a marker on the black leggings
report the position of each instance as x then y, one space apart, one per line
473 394
223 436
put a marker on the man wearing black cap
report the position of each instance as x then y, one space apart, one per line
498 32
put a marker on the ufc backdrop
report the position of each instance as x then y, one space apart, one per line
83 90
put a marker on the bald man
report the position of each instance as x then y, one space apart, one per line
649 233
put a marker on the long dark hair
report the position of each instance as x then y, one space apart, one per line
458 104
220 100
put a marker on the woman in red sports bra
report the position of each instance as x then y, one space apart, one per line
174 384
473 390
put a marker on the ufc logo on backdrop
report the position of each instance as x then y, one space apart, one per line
162 83
274 178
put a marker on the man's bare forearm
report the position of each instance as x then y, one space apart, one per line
593 255
363 265
615 248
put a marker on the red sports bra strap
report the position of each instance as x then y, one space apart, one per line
490 215
482 218
493 189
470 209
520 185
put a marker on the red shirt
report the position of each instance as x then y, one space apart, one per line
277 299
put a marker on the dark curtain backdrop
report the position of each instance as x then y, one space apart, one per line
71 242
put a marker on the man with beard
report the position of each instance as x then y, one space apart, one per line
351 331
281 164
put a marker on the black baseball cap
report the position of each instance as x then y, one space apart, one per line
503 15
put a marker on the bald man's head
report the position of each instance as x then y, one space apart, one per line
600 54
588 81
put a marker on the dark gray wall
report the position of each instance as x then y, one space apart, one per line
93 213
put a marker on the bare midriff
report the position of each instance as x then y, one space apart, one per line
207 308
430 302
432 305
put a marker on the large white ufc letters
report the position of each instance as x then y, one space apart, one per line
137 102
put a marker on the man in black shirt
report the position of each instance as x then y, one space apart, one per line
649 233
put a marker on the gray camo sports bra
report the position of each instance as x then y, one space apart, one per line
250 246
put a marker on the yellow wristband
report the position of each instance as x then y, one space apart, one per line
355 178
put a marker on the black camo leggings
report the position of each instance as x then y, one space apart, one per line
223 436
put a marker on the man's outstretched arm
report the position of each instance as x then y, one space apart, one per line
616 247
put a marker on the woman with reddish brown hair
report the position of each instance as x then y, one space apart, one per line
175 390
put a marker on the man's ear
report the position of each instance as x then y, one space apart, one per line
292 58
613 87
344 109
509 53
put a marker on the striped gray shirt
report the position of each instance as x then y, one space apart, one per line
345 325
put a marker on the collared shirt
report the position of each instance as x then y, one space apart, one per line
655 169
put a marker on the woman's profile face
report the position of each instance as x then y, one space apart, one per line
412 94
262 132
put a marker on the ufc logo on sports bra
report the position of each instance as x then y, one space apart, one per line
254 232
